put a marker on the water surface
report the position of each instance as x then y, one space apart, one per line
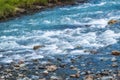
63 30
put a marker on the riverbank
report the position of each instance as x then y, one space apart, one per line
79 67
12 9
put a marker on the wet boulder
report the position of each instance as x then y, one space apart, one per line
112 21
116 53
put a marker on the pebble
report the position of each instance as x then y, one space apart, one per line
8 70
89 77
21 75
51 68
73 67
55 78
75 75
45 72
42 79
114 64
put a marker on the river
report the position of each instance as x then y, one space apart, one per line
62 30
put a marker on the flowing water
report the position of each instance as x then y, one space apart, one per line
62 30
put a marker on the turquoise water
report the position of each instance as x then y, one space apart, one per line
62 30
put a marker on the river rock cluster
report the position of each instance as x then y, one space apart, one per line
78 67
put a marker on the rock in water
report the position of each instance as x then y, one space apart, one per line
116 53
51 68
89 77
37 47
112 21
75 75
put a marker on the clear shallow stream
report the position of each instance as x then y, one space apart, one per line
63 30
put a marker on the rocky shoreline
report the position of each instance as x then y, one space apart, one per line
38 7
69 67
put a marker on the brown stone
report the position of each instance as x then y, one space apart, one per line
89 77
51 68
42 79
21 62
75 75
116 53
112 21
37 47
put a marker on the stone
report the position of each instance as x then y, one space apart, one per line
37 47
114 64
73 67
89 77
51 68
42 79
55 78
21 62
16 66
116 53
39 7
112 21
45 72
75 75
21 75
20 10
62 65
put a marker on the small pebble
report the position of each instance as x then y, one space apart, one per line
75 75
51 68
89 77
45 72
114 64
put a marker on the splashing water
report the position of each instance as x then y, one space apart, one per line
63 30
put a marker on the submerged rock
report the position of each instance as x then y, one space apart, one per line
37 47
112 21
116 53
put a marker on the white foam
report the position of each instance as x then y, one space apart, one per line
1 55
78 52
46 22
109 37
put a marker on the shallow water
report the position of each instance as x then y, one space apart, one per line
63 30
